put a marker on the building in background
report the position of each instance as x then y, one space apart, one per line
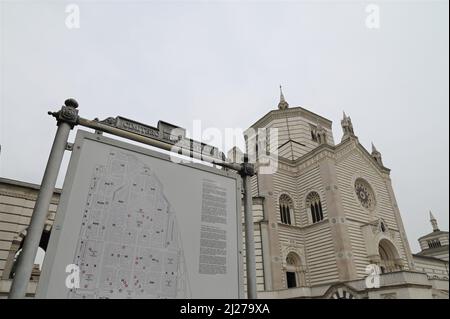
434 244
329 212
433 257
17 201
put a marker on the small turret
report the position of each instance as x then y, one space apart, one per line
434 223
377 155
347 127
282 105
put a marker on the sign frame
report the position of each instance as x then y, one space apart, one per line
62 210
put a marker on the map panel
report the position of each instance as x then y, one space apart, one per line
133 224
129 243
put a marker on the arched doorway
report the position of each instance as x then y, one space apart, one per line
389 258
295 275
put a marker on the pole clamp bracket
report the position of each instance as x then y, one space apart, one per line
68 113
247 169
69 147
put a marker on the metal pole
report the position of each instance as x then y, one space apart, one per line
66 119
246 172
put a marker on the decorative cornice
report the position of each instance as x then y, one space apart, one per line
343 149
316 158
294 111
374 223
433 235
346 146
301 228
21 184
329 151
26 196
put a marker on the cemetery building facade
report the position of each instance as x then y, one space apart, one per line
327 212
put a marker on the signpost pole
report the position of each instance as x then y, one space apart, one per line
67 117
246 172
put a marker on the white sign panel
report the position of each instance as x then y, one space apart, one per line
133 224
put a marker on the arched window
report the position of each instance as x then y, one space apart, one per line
16 250
314 206
313 130
286 209
295 276
434 243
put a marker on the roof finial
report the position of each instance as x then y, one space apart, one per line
434 222
347 126
376 155
431 215
374 149
283 104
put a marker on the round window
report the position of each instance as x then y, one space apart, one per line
365 194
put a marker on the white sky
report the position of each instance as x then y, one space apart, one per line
221 62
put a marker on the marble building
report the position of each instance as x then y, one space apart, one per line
328 212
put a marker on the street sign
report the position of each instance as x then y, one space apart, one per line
167 133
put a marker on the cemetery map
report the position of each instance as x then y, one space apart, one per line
129 244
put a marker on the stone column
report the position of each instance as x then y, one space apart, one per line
269 233
338 222
265 247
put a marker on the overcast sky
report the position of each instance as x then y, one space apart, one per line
221 62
